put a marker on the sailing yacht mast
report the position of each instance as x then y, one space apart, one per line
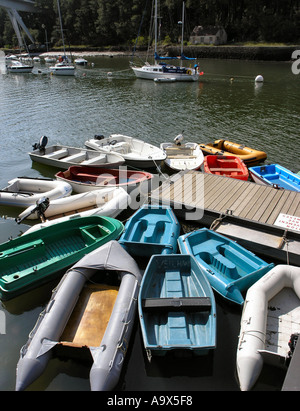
182 28
61 27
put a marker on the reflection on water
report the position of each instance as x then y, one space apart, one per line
226 103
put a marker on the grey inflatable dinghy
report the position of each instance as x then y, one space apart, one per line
109 261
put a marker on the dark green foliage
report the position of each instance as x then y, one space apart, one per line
101 23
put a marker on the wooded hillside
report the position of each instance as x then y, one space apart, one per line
99 23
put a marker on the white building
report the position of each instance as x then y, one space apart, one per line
208 35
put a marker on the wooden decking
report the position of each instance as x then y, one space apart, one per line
234 207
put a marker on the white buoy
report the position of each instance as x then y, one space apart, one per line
259 79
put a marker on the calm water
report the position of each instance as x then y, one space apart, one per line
225 104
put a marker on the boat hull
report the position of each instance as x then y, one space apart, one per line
275 175
152 73
137 153
108 202
62 70
64 157
187 156
176 306
153 229
230 268
271 314
84 179
65 318
33 259
249 155
228 166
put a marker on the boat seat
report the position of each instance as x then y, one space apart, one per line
186 304
92 160
154 231
224 169
57 154
75 157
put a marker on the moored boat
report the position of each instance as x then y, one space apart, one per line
153 229
230 268
62 68
161 70
228 166
182 156
93 308
109 202
25 191
83 179
17 66
137 153
249 155
64 157
270 318
176 304
276 176
33 259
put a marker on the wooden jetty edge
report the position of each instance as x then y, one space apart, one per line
264 219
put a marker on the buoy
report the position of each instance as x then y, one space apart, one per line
259 79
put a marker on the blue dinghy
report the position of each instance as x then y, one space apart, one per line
176 304
229 267
276 176
153 229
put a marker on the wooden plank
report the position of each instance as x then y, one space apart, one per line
274 198
279 206
90 316
224 196
243 201
214 191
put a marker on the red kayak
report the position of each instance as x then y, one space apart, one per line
228 166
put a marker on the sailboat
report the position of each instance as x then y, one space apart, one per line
161 71
63 67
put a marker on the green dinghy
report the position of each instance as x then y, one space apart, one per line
37 257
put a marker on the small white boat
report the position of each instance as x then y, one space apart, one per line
62 69
17 66
80 61
137 153
64 156
87 312
182 156
108 202
25 191
271 315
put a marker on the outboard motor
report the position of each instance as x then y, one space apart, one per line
41 145
99 137
41 206
178 139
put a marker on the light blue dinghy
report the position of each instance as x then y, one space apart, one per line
229 267
176 304
100 319
153 229
276 176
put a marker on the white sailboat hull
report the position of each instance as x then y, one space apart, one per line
155 72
